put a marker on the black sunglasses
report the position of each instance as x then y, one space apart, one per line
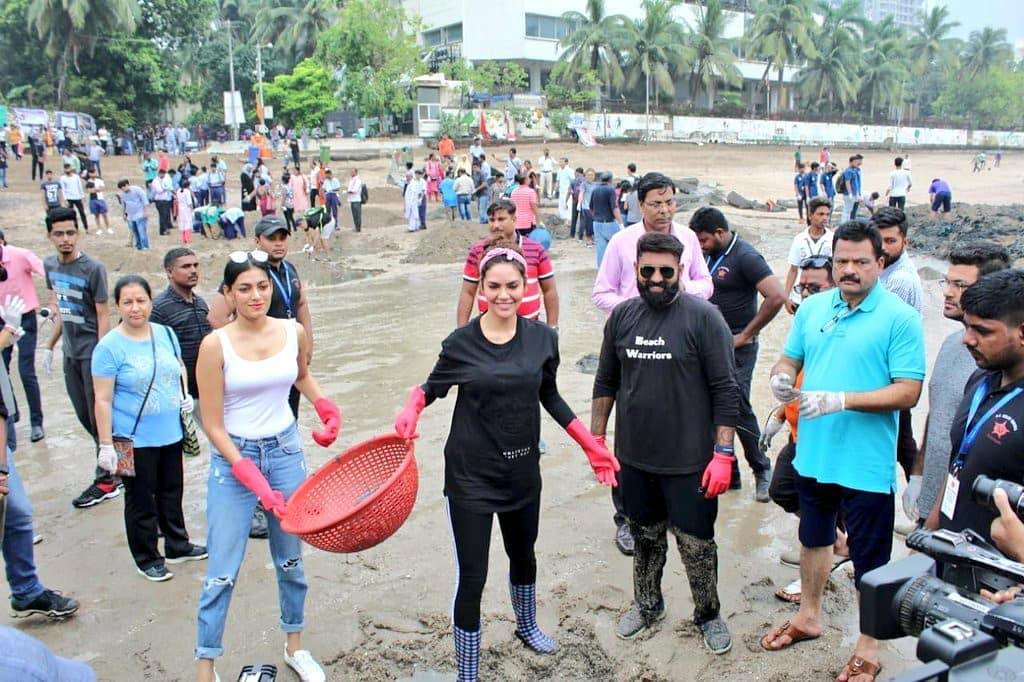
816 262
667 271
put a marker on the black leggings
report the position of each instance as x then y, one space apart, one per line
472 533
289 218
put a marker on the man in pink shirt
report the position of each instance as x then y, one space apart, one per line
616 278
525 199
17 266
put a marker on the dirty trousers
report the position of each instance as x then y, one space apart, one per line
229 508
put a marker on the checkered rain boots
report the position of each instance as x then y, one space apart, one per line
524 603
467 655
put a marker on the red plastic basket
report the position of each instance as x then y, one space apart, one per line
358 499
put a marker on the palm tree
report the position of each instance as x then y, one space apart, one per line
831 74
713 55
657 48
315 16
69 27
594 44
882 72
986 48
931 43
781 33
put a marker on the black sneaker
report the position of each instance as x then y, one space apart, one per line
157 574
258 528
762 481
624 539
196 553
49 603
37 434
96 493
716 635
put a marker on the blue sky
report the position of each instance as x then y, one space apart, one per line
976 14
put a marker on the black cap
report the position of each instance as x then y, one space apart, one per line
270 224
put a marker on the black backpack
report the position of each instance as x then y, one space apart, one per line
841 183
364 194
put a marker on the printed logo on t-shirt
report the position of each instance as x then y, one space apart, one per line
516 454
1003 425
722 272
637 354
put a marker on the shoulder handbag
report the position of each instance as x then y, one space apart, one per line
125 447
189 432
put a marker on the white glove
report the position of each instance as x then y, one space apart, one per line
910 496
107 458
48 362
814 404
14 307
187 404
772 428
782 388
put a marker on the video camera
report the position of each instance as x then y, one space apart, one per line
961 635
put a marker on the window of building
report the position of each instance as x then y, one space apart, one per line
429 112
550 28
443 35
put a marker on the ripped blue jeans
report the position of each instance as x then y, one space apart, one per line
229 509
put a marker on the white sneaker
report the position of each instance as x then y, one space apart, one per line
110 231
305 666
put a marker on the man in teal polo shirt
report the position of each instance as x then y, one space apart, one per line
862 352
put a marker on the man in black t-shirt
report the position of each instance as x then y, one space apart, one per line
739 274
988 431
667 365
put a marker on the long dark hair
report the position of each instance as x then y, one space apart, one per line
233 270
128 280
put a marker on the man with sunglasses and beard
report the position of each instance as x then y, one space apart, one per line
662 351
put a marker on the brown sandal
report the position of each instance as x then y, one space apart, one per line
858 666
787 629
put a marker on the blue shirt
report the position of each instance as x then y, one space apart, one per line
800 184
130 362
134 200
852 176
863 350
827 186
811 183
448 196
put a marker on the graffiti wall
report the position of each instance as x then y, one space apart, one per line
608 126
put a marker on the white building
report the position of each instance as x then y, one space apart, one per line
527 32
906 13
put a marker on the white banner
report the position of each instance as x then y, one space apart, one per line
234 114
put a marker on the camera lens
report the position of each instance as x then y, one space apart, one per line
984 486
927 600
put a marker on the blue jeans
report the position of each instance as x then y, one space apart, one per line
481 206
849 209
229 508
3 177
27 366
26 658
19 556
464 207
217 197
139 229
603 232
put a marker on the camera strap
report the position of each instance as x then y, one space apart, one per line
972 428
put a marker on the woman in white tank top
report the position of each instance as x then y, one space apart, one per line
245 371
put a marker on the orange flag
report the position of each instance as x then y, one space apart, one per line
259 108
483 126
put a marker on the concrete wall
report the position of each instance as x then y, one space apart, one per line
749 131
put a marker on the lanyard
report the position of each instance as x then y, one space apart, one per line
286 294
712 268
971 432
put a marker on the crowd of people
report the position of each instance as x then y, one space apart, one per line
685 305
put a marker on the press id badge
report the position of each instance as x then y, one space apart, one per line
949 496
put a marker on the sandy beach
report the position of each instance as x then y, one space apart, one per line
380 312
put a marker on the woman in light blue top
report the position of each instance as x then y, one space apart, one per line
137 376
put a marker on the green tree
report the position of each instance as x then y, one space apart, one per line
713 57
24 63
594 45
68 27
303 97
781 33
931 43
657 49
373 46
986 48
994 99
884 67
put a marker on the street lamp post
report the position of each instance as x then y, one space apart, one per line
259 74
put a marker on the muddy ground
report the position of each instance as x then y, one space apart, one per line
380 313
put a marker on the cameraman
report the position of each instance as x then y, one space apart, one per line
986 432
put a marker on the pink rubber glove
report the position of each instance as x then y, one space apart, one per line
246 471
405 422
330 415
717 475
602 462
